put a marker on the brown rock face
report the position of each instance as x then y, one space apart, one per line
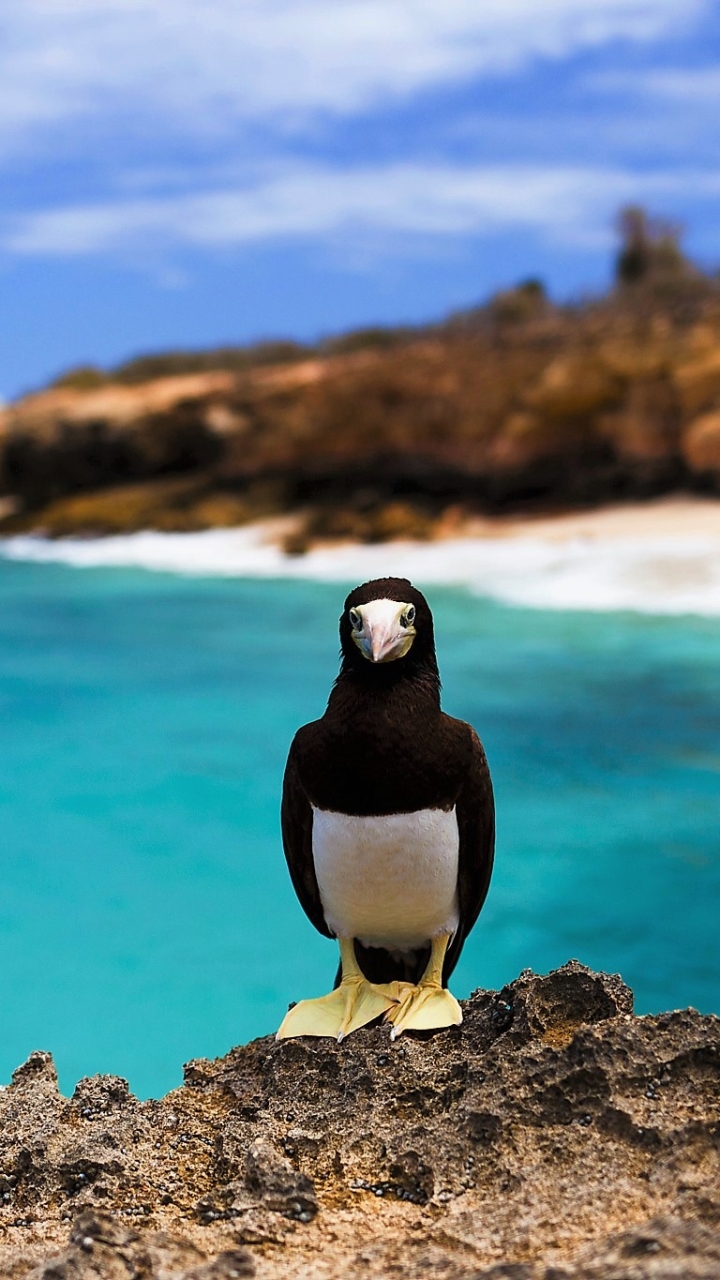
701 444
64 440
698 381
554 1136
549 408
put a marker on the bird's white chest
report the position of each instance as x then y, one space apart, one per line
389 881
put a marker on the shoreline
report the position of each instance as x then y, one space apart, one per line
677 515
660 556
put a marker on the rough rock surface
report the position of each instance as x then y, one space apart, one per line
554 1136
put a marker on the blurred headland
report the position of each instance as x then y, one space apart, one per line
518 405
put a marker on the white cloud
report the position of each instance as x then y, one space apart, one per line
201 65
402 200
694 86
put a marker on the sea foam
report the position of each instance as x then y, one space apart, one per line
662 574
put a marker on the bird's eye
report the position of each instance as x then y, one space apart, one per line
355 620
408 616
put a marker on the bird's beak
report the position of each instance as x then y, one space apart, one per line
386 631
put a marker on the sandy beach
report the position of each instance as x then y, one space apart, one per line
656 557
672 517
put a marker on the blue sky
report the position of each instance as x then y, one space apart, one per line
200 172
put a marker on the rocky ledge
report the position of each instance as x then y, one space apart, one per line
554 1136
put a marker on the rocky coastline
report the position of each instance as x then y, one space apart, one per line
554 1136
523 407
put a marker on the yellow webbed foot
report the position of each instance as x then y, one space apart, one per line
427 1007
352 1005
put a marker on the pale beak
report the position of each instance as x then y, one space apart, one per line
385 633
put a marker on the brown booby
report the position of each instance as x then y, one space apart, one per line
388 824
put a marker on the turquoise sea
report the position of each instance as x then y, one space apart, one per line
146 916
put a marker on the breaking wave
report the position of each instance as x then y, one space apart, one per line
678 574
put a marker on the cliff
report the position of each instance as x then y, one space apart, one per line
531 407
554 1136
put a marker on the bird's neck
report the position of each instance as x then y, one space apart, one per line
406 692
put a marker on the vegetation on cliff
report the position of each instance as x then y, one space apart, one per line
518 404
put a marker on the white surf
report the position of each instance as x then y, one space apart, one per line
649 572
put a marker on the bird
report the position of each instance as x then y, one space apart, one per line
388 824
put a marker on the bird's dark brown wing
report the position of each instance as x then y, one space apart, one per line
476 825
297 822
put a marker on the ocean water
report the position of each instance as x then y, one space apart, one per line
146 915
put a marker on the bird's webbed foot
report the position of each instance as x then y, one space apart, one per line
429 1006
352 1005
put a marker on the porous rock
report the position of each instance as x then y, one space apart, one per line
554 1136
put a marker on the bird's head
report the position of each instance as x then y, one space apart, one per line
386 621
